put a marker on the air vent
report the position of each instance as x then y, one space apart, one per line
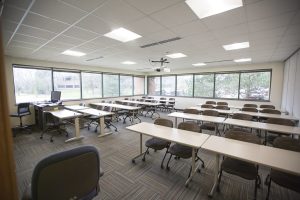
91 59
161 42
218 61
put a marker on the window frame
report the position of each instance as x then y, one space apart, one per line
175 88
92 72
193 84
132 89
214 81
134 84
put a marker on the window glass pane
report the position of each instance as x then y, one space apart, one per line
168 85
126 85
184 85
227 85
32 84
139 85
110 85
91 85
204 85
255 85
154 85
68 83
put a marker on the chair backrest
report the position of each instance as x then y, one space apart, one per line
126 98
207 106
211 102
250 105
222 107
189 126
287 143
23 108
271 111
164 122
107 109
118 102
143 97
242 136
103 101
242 116
222 103
267 106
210 113
249 109
286 122
142 100
72 174
191 111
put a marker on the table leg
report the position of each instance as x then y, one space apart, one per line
141 149
175 122
77 132
217 169
102 126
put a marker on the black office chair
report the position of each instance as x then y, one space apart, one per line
23 110
72 174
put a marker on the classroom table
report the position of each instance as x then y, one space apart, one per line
101 114
268 115
67 114
280 159
187 138
76 107
226 112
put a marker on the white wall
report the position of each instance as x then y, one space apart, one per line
291 85
276 83
9 61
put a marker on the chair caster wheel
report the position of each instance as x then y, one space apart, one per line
133 161
168 168
41 137
51 140
162 166
218 189
116 130
187 185
202 165
198 170
143 159
148 152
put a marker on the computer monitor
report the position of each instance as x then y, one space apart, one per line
55 96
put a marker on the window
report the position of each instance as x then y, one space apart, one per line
91 85
32 84
126 85
255 85
204 85
139 85
168 85
227 85
184 85
68 83
154 85
110 85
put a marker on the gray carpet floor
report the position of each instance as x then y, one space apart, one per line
143 180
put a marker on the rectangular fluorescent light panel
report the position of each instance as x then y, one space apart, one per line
73 53
235 46
128 63
166 69
206 8
243 60
122 34
199 64
176 55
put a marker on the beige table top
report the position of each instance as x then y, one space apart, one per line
219 110
76 107
92 111
197 117
264 126
288 161
141 103
267 115
117 106
187 138
64 114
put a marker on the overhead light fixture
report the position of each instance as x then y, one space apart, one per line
73 53
243 60
176 55
128 63
199 64
166 69
235 46
205 8
122 35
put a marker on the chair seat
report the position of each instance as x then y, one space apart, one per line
93 117
240 168
286 180
208 126
181 151
157 144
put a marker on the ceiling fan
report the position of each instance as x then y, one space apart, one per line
162 65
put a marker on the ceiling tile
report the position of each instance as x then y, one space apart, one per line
68 40
35 32
118 12
12 14
193 27
83 5
144 26
95 24
296 19
57 10
19 4
170 16
59 46
30 39
45 23
9 25
6 35
162 35
80 33
23 44
269 8
149 7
